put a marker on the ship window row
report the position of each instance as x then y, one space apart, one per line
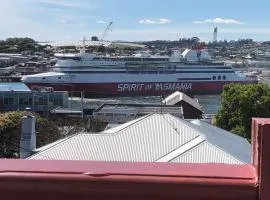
195 67
131 59
144 59
156 67
151 72
103 58
154 71
194 79
69 58
219 77
59 77
104 62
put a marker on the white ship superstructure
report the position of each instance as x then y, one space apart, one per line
140 74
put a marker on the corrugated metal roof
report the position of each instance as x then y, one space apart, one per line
122 126
206 153
177 96
47 146
156 137
14 87
225 140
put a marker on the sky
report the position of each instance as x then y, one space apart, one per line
135 20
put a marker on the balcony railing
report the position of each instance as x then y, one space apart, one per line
41 179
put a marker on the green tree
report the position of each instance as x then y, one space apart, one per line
47 130
241 102
10 132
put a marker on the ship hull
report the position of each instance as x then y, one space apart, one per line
139 88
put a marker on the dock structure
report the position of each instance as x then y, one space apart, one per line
121 113
177 104
10 79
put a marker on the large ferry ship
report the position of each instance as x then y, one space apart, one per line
192 72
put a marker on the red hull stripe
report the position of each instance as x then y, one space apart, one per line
120 89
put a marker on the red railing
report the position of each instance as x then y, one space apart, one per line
33 179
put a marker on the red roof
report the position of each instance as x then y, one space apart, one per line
81 179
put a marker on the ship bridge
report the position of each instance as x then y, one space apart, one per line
196 55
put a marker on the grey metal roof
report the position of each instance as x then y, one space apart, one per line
47 146
153 138
13 87
225 140
206 153
177 96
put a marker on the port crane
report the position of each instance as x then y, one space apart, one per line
106 31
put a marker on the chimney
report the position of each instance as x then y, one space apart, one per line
28 136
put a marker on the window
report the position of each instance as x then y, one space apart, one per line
5 100
40 101
43 78
20 101
59 77
224 77
219 77
25 102
214 77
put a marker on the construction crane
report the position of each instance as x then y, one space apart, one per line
106 31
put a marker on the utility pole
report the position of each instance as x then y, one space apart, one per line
48 102
33 101
82 103
161 108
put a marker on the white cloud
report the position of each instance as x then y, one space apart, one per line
226 21
203 21
164 21
28 18
101 22
34 16
157 21
146 21
218 20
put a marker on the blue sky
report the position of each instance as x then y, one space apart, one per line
135 20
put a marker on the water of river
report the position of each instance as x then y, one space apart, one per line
210 103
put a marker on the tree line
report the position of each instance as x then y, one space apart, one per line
17 45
